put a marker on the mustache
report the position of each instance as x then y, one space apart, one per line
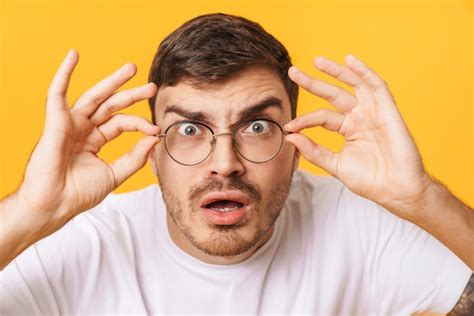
233 183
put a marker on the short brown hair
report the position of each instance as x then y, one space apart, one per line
213 48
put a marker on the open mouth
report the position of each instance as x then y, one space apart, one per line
225 208
224 205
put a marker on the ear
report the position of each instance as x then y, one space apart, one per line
152 160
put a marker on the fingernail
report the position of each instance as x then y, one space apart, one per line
288 129
128 66
353 59
70 53
294 69
287 138
319 60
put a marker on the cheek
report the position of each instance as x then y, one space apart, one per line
283 162
269 174
172 175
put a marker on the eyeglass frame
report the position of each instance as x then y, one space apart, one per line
232 134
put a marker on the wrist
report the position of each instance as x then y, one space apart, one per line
424 207
20 227
416 204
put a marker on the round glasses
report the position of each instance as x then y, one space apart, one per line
189 143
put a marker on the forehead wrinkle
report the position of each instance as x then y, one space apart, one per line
226 100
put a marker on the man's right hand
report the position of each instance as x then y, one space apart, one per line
64 175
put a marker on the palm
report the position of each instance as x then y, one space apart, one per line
379 159
65 176
66 167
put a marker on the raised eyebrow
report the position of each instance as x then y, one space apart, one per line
190 115
260 107
247 113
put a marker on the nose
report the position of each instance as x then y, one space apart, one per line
224 160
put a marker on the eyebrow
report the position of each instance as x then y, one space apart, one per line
249 112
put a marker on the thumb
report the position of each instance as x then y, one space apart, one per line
128 164
315 153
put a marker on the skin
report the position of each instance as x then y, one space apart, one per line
379 160
224 169
57 181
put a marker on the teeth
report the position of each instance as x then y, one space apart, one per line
225 209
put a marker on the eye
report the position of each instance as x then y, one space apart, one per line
189 129
257 127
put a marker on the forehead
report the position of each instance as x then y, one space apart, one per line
224 102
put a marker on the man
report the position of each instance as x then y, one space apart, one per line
238 229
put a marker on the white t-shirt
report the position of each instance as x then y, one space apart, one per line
332 253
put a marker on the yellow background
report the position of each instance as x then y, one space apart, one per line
423 49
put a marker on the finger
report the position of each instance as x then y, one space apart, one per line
339 72
131 162
378 86
121 100
120 123
58 88
315 153
328 119
340 98
90 100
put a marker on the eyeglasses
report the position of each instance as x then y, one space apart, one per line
189 143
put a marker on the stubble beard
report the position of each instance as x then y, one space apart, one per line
228 240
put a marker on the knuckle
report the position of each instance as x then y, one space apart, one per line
130 98
115 80
117 117
315 151
324 112
92 99
338 72
333 98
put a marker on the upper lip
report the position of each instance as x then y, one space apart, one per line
236 196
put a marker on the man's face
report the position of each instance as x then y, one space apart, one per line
225 205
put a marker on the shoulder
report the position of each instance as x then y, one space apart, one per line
325 204
321 207
323 193
116 217
145 199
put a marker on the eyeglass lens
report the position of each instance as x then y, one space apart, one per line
190 143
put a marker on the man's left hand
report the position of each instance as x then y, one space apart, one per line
379 159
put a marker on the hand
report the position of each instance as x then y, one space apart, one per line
379 159
64 175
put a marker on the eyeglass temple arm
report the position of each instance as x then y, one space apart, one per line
160 135
287 133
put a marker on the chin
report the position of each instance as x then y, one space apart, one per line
226 240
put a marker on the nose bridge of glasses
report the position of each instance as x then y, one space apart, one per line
214 138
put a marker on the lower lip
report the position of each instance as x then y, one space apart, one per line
225 218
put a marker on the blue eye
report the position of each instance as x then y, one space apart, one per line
258 127
189 129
